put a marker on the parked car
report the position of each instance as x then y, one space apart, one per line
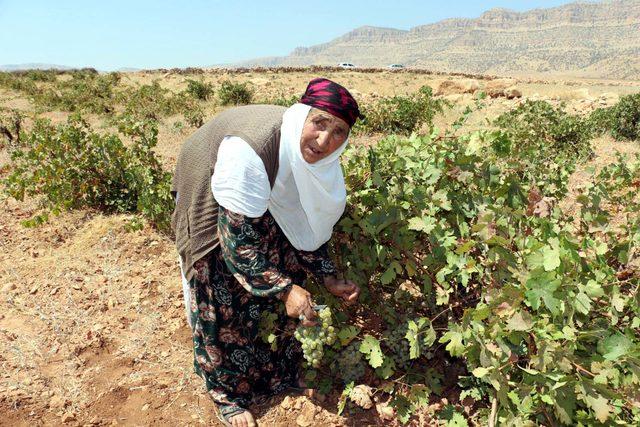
346 65
396 66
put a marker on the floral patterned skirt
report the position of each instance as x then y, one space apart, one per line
234 361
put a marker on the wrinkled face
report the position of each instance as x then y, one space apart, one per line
322 134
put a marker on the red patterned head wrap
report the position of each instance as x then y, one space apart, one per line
329 96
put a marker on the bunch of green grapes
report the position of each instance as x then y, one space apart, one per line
398 344
349 364
313 338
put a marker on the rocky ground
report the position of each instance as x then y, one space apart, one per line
92 327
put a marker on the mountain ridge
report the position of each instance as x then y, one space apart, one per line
585 39
33 66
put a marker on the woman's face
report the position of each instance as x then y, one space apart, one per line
322 134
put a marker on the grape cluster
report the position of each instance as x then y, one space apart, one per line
313 338
399 346
349 365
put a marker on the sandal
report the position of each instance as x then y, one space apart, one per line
260 399
226 412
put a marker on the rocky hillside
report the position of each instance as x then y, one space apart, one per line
600 40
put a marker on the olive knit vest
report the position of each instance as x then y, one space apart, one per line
195 218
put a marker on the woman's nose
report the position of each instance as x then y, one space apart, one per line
323 139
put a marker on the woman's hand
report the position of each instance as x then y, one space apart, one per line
343 288
298 303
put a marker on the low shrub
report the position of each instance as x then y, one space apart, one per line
199 89
16 82
542 144
625 118
540 125
194 116
151 102
231 93
49 76
283 100
86 91
622 120
70 167
600 120
401 114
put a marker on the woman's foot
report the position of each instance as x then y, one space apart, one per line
243 419
234 416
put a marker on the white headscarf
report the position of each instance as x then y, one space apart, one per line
307 199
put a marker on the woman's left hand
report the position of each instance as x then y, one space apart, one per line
343 288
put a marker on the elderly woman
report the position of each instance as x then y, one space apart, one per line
258 190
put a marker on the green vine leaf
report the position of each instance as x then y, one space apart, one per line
457 420
420 335
455 346
403 408
480 372
582 303
370 347
542 286
550 258
521 321
426 224
387 369
342 401
600 406
388 276
614 346
347 334
565 405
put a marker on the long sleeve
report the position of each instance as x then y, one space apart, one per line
245 250
240 182
318 262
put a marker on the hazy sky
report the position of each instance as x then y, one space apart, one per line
110 34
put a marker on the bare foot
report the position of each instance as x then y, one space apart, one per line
244 419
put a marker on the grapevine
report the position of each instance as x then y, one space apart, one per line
349 364
313 338
469 229
399 346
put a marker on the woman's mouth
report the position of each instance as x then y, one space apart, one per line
314 151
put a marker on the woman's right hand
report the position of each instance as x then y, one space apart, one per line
298 302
